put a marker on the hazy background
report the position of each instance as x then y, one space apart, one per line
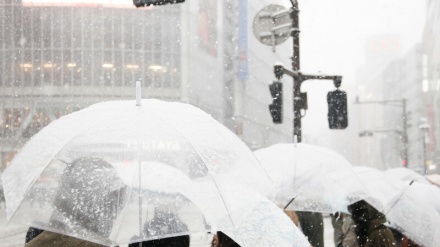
332 39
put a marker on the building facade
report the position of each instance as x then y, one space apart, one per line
431 80
390 94
57 57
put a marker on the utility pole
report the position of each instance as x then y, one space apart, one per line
297 129
272 26
300 98
404 132
424 127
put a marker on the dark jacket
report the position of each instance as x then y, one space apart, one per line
52 239
370 227
312 225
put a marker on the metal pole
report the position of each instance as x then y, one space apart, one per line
296 67
405 134
424 152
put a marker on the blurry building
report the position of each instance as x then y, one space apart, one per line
58 56
386 76
431 80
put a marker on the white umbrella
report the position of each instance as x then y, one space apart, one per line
95 161
434 179
268 226
405 210
429 192
405 174
315 178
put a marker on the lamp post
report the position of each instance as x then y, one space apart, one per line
424 127
404 132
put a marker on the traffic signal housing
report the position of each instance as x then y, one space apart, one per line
337 109
276 108
143 3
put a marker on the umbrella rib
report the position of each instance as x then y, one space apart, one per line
223 200
204 161
123 212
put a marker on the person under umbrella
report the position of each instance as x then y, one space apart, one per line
370 228
83 194
220 239
174 226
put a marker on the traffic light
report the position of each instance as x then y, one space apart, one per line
276 108
143 3
337 109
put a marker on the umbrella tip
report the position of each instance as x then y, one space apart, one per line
295 139
138 94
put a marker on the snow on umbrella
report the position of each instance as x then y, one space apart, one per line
316 178
429 192
434 179
405 210
405 174
267 225
125 142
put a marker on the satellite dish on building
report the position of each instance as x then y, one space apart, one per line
272 25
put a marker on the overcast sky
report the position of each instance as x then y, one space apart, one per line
333 34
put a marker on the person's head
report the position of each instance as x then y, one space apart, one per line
222 240
364 215
90 195
362 211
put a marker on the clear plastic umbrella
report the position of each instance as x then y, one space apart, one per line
405 210
434 179
429 192
267 225
405 174
116 172
311 178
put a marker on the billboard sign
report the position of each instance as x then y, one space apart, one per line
81 3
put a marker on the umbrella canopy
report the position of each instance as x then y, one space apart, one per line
115 173
318 179
434 179
429 192
267 225
405 174
405 210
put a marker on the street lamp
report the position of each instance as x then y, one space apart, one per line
424 127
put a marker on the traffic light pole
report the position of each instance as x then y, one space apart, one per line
297 129
299 98
404 136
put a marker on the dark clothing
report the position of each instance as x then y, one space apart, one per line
32 233
156 227
225 241
52 239
312 225
370 228
179 241
338 235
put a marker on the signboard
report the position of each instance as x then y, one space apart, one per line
81 3
272 25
